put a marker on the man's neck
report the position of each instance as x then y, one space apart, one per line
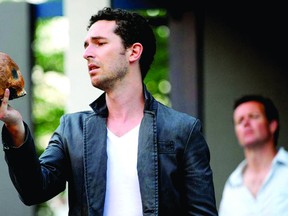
260 157
125 109
259 161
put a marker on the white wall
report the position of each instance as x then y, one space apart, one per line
82 93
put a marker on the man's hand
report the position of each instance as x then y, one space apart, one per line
12 120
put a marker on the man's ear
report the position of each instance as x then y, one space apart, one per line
135 52
273 126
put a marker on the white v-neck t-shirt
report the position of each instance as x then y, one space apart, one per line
122 188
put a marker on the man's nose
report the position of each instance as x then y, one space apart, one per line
246 122
87 53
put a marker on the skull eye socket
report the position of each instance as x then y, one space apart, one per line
13 93
15 74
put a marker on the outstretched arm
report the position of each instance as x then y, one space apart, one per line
35 180
12 120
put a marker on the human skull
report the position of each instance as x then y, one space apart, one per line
10 77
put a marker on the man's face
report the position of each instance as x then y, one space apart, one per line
251 125
105 54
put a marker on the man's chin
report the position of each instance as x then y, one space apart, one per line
252 145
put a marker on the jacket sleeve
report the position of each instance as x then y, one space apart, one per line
198 177
35 180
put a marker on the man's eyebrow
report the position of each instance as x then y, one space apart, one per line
97 37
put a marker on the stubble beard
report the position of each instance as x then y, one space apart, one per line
108 80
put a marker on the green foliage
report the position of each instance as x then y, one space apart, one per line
48 55
50 62
43 209
45 121
46 112
157 80
159 69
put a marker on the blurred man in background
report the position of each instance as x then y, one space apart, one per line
258 186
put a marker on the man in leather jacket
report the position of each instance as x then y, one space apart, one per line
130 155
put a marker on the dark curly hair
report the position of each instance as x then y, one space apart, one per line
132 28
271 111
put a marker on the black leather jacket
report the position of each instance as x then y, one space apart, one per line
173 163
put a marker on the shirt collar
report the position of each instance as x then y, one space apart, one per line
281 157
236 178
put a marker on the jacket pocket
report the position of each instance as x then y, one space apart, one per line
166 147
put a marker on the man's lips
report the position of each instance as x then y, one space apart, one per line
92 67
248 132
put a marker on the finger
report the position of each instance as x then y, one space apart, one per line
5 98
